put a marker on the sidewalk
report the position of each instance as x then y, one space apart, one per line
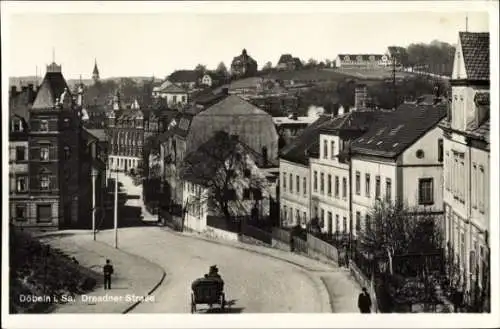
341 287
134 277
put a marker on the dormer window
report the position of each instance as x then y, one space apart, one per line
44 125
17 125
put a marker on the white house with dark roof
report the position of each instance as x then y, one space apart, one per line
330 197
400 158
467 163
174 94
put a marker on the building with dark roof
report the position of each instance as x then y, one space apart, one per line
51 174
186 78
204 173
467 164
243 65
195 126
362 61
287 62
398 159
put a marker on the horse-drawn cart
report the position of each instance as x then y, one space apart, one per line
209 291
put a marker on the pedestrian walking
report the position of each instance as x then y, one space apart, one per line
364 302
108 270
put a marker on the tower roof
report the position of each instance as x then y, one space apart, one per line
96 70
51 89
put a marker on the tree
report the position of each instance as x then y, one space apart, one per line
312 63
222 69
407 242
201 68
268 66
328 63
218 165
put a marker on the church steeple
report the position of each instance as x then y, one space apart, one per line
95 73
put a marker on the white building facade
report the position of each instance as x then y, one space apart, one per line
294 193
467 163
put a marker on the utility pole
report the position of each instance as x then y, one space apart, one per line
93 202
116 209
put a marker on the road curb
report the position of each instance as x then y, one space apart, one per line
325 296
157 285
131 307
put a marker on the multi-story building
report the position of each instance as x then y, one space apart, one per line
20 102
128 129
363 61
400 158
173 94
195 126
62 159
287 62
330 171
243 65
295 177
467 162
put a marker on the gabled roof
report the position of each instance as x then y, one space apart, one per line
53 85
476 54
297 151
20 102
231 106
183 76
285 58
482 132
399 130
173 89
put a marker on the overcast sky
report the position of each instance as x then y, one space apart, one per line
143 44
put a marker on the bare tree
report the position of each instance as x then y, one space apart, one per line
219 165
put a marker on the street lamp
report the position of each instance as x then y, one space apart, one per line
94 175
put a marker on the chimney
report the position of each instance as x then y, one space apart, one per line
360 95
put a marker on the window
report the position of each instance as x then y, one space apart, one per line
44 153
358 183
67 152
322 183
344 224
290 177
21 184
475 190
344 188
315 181
44 213
304 185
440 150
332 149
17 125
284 181
44 182
297 183
388 189
174 98
462 185
20 153
284 213
337 224
297 216
44 125
425 191
329 184
337 186
377 187
304 218
368 222
367 185
358 221
482 189
246 194
420 154
21 212
325 149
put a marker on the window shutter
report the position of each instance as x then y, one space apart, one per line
35 153
12 184
52 153
53 182
12 153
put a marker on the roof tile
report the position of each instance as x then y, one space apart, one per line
476 54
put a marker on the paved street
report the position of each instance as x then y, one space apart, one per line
258 279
